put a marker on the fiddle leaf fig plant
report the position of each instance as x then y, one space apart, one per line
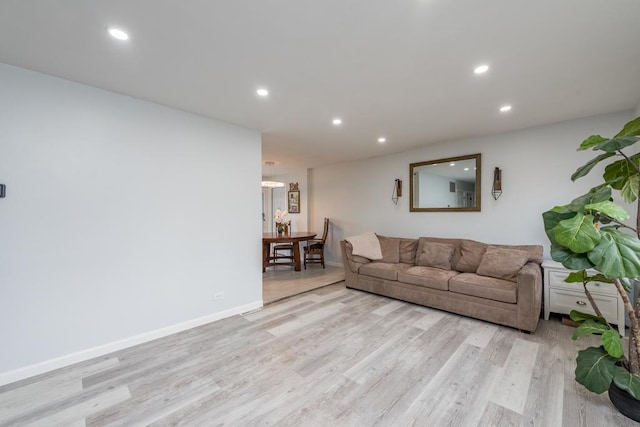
589 234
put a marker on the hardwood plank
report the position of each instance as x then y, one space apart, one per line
50 390
74 414
512 389
388 308
428 320
481 335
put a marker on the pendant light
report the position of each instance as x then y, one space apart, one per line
268 183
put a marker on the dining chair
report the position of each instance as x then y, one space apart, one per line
314 251
278 248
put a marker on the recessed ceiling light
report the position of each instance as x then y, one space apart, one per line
262 92
505 108
118 34
466 169
452 164
382 140
480 69
337 121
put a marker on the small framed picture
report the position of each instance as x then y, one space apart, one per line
294 202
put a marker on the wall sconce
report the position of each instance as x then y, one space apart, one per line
496 190
397 191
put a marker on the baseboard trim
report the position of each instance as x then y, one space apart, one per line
90 353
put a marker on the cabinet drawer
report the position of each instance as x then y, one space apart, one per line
556 280
563 301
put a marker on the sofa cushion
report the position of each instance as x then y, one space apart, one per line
427 240
502 263
434 254
534 251
390 248
383 270
366 245
427 277
408 250
470 256
484 287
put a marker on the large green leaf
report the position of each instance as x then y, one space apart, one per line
569 260
582 276
612 343
578 316
614 144
630 188
576 277
590 327
610 209
592 141
561 209
577 233
617 254
631 128
627 382
586 168
595 195
595 369
618 172
551 219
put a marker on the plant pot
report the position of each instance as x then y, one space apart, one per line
624 402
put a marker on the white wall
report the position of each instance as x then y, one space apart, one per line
537 164
299 222
121 217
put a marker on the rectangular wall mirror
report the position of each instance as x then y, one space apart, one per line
446 185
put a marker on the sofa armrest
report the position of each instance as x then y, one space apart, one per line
353 261
529 296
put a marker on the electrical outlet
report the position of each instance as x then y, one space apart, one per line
217 296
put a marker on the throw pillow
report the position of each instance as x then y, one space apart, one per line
436 255
366 245
390 249
408 249
471 253
502 263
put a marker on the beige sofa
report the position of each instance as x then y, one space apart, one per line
497 283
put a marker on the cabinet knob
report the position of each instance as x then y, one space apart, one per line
581 303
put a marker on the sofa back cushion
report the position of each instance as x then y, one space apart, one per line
502 263
408 249
390 247
422 241
470 256
435 254
534 251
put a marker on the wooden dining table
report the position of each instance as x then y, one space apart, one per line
294 238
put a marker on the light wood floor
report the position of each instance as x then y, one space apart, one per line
282 282
332 356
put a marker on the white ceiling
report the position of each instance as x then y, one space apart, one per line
398 68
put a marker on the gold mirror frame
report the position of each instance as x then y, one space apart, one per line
478 192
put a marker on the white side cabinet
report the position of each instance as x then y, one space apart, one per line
562 297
